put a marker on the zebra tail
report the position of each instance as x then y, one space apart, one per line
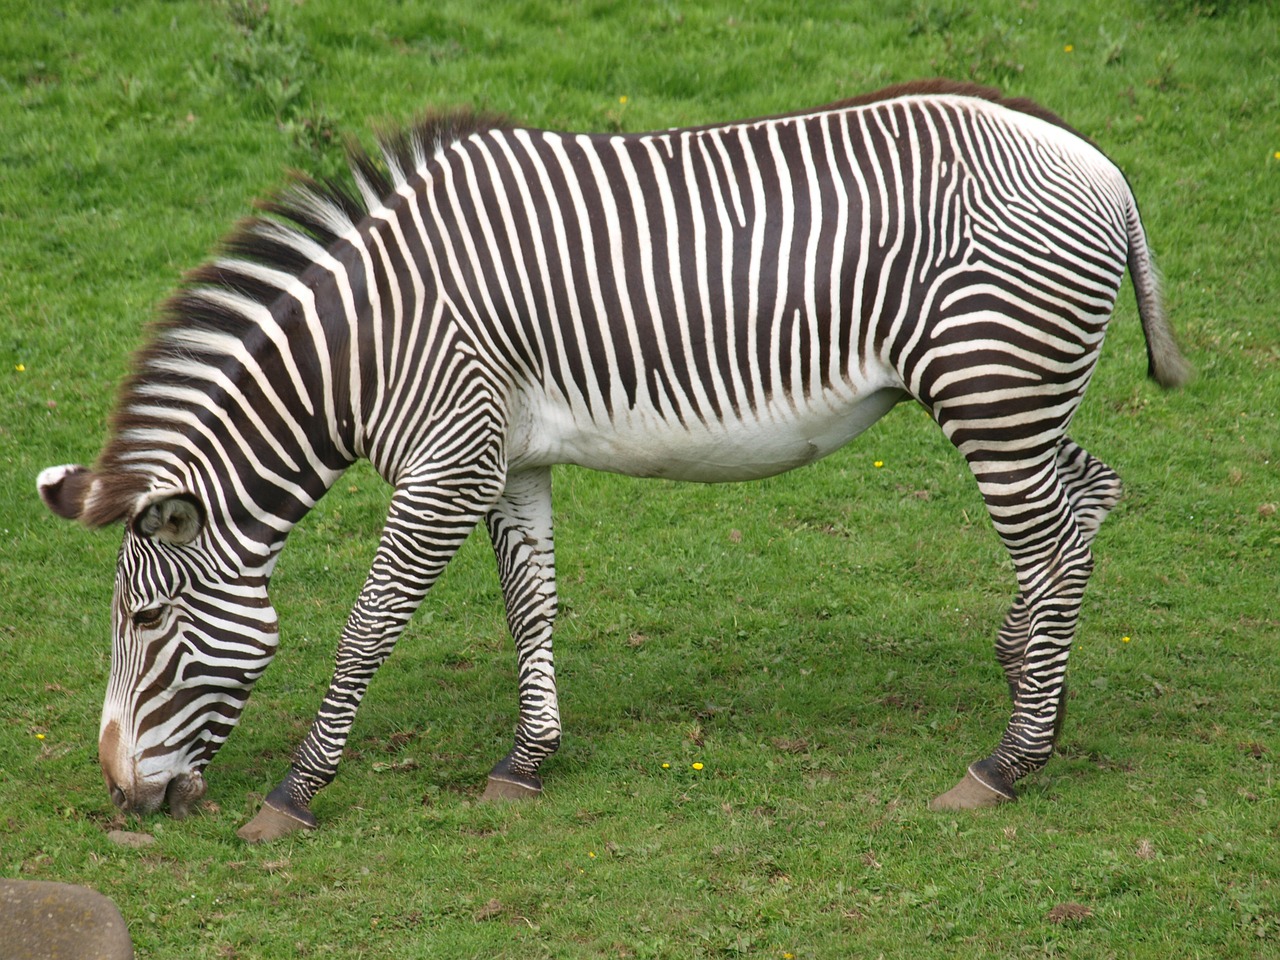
1165 362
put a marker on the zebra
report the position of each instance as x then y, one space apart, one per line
715 303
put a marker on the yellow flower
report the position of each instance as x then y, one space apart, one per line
1124 639
1276 154
622 100
20 367
39 736
591 854
878 464
697 766
666 766
1068 48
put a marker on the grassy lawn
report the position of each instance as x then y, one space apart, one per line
820 643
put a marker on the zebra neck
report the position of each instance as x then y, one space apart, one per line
242 398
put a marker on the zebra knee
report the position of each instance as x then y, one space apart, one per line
1097 496
1092 487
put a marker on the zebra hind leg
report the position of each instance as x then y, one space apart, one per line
521 531
1011 649
1032 508
1011 643
1093 488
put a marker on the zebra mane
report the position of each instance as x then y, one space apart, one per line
405 150
291 229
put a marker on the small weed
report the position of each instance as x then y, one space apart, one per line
1164 80
928 19
1196 9
615 116
440 51
265 60
1112 47
315 132
131 90
987 58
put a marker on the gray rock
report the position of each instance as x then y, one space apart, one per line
60 921
126 838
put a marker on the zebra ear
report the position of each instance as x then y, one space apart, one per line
175 519
64 489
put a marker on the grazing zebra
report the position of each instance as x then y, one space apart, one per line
717 303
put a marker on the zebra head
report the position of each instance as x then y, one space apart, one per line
191 632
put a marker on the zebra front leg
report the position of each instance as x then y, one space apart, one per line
370 634
521 530
1034 518
419 539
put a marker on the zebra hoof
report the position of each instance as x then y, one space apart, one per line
506 782
272 823
970 794
512 786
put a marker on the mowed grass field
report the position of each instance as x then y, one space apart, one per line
818 643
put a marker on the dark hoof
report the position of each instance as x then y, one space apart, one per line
512 786
278 818
970 794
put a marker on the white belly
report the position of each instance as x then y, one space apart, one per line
642 444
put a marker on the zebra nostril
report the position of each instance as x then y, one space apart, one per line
117 797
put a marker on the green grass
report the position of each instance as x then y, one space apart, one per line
820 642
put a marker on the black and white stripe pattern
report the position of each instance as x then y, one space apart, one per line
712 304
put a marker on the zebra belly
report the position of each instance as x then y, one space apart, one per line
778 438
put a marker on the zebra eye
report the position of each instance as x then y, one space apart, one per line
148 617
